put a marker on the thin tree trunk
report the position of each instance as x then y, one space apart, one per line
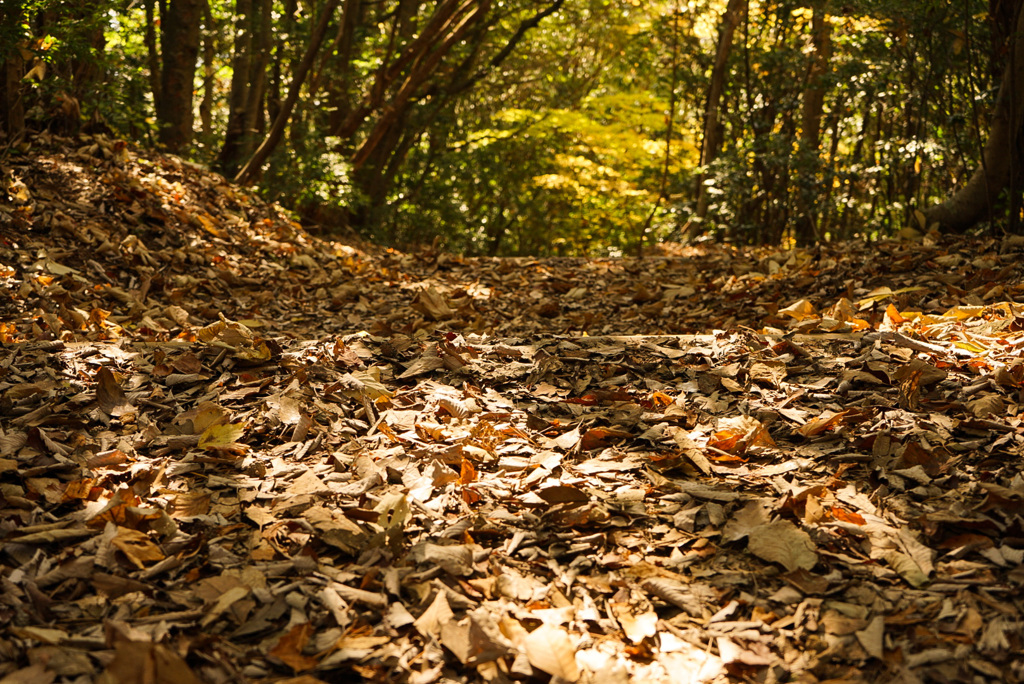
152 53
258 76
12 68
209 53
712 138
180 47
286 30
976 199
814 93
825 217
418 49
341 84
496 61
810 124
340 53
231 154
420 74
670 119
87 68
252 167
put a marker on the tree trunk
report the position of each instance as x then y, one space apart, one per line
209 54
152 53
420 74
413 78
12 68
975 201
180 47
810 121
258 75
252 167
88 69
231 154
341 84
1000 16
248 83
670 118
282 49
418 49
712 138
814 92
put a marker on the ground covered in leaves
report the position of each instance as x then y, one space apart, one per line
231 451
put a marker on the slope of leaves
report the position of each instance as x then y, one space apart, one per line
231 451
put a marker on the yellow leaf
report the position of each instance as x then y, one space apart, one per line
801 310
137 547
210 227
970 346
223 437
964 312
880 293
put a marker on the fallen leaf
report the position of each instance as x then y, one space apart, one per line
550 649
784 543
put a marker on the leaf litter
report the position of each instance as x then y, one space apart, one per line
231 450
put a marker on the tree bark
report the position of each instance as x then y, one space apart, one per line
423 70
88 68
12 68
248 83
180 47
252 167
419 74
152 53
976 200
341 84
670 119
231 154
437 26
814 92
712 138
209 54
258 74
810 118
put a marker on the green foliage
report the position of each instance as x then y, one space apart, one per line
899 121
62 52
312 176
556 181
124 98
545 161
560 146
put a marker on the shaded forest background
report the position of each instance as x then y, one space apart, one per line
552 127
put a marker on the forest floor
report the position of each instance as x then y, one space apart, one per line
231 451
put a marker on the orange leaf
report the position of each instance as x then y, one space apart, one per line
846 516
725 440
289 648
597 438
893 314
660 399
468 472
79 489
819 424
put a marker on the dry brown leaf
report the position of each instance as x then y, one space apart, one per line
784 543
550 649
109 395
437 614
289 647
637 622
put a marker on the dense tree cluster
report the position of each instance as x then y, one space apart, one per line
553 126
